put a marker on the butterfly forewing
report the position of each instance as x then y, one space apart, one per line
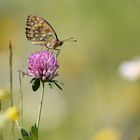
40 32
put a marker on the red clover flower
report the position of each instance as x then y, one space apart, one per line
43 65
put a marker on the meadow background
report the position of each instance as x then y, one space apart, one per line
97 103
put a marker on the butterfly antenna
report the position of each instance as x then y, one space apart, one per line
71 39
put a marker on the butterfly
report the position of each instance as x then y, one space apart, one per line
40 32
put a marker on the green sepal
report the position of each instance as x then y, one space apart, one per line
50 84
34 132
35 84
24 133
33 135
28 138
56 83
32 80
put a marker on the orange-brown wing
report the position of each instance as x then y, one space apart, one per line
40 32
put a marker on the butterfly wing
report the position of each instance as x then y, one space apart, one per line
40 32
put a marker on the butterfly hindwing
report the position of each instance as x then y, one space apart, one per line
40 32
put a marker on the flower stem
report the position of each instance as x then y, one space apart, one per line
1 135
0 106
21 97
1 132
18 126
11 72
40 106
11 82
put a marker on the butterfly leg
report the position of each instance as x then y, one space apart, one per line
48 48
58 51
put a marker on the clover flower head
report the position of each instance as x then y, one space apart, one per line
42 65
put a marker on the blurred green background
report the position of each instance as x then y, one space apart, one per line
97 104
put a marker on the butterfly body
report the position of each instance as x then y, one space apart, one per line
58 43
53 45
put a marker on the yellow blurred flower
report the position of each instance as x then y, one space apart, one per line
4 95
12 113
107 134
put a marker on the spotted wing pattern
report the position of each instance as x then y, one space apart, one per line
40 32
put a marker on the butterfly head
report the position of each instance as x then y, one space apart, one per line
60 43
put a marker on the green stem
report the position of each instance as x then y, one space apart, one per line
21 98
1 133
11 82
11 72
18 126
0 106
40 106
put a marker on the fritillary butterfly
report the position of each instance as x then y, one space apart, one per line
40 32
